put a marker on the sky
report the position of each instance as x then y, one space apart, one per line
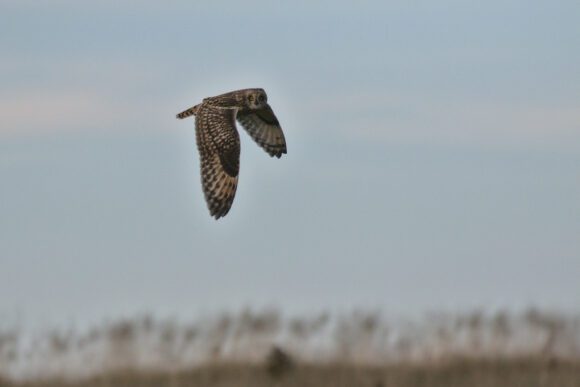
433 157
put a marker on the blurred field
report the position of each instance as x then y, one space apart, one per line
513 373
266 348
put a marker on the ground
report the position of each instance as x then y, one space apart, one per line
468 373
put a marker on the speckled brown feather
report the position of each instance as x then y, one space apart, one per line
218 143
263 126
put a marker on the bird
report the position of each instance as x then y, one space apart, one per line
218 140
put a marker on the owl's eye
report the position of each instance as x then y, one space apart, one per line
261 98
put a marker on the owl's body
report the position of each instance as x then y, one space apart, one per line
218 140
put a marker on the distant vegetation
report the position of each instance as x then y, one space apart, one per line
357 348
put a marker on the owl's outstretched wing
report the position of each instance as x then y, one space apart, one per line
263 126
218 143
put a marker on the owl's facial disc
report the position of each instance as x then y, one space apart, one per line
257 100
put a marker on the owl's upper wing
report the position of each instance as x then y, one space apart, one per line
264 128
218 143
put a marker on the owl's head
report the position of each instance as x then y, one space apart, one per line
256 98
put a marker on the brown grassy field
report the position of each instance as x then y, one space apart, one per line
265 349
464 373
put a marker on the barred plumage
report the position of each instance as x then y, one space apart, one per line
218 140
187 113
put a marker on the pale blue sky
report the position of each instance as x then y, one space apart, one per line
433 157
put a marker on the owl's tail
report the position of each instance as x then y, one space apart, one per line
189 112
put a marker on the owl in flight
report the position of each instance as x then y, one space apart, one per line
218 140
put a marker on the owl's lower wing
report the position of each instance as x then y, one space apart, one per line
218 143
263 126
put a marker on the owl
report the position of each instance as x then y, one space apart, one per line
218 141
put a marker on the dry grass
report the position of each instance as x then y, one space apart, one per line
472 373
249 349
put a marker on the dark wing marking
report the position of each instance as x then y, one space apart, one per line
263 126
218 143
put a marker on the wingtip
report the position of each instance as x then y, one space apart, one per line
219 214
278 154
